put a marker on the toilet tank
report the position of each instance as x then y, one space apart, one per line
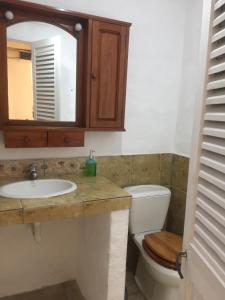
149 207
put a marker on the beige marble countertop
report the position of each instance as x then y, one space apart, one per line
93 195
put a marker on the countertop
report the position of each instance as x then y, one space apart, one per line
93 195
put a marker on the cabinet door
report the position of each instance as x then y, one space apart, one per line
108 76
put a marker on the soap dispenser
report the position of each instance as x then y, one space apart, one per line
90 165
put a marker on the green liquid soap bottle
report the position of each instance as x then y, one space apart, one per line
90 165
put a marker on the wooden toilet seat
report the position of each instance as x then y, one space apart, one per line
163 247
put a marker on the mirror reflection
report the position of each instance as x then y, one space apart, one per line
41 72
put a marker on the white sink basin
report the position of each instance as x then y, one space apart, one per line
41 188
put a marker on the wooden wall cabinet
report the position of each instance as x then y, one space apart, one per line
102 56
108 75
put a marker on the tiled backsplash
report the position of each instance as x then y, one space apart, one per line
165 169
122 170
179 178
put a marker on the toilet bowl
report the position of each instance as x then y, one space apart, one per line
154 280
148 212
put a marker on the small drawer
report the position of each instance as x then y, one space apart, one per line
25 139
65 138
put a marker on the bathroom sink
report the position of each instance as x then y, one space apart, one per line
41 188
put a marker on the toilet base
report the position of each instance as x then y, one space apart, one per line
152 289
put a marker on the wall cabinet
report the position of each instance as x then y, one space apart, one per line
108 76
100 70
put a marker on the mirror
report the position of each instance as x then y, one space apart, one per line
41 61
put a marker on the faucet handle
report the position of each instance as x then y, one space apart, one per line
33 174
32 167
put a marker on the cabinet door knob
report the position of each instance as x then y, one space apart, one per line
93 75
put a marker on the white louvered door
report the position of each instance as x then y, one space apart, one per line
45 56
204 237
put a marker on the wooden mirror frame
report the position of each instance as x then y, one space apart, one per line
23 12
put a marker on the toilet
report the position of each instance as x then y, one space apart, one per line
156 273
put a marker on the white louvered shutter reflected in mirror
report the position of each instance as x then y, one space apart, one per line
204 236
45 56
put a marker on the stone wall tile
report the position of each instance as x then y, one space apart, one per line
67 166
20 168
180 172
176 213
116 168
145 169
165 169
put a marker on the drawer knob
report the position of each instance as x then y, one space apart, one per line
26 140
66 140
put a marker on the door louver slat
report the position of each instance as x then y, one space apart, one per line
213 163
217 68
217 52
218 4
219 19
218 36
217 132
213 147
217 116
218 84
220 99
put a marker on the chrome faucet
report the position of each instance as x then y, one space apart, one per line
33 174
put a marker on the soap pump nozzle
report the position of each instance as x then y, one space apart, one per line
92 154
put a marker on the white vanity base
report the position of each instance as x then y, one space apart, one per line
89 249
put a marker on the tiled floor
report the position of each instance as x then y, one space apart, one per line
70 291
65 291
132 289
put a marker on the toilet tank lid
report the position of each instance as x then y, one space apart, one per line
147 190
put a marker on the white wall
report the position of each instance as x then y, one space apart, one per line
154 77
27 265
35 31
189 84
